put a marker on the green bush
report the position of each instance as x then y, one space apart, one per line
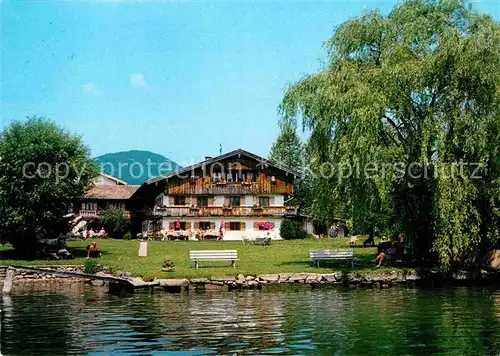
115 223
91 266
127 236
292 230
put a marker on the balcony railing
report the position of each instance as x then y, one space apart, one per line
223 211
89 213
97 213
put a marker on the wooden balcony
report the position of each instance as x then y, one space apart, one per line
91 214
224 211
204 186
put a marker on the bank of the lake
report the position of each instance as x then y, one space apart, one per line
52 278
281 263
278 257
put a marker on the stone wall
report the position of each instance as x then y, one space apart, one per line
379 279
26 280
371 279
25 274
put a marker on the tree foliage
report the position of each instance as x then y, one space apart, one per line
43 169
288 150
292 230
407 113
115 223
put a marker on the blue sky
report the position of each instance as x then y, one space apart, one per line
175 78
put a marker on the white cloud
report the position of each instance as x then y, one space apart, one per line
90 87
138 81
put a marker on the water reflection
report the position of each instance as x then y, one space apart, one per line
392 321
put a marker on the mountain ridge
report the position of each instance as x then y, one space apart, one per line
135 166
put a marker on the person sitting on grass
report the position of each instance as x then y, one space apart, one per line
393 253
93 251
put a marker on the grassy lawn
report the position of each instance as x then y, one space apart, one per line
279 257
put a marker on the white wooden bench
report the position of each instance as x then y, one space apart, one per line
214 255
331 255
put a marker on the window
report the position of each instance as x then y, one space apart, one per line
264 202
216 177
234 201
205 225
116 205
179 200
89 206
250 177
202 202
181 225
235 226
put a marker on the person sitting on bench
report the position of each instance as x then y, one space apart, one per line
393 253
93 251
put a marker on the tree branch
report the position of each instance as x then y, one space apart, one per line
396 127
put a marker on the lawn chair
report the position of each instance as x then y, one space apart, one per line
353 240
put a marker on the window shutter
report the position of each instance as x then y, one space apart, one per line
227 227
171 226
255 227
83 206
212 226
271 200
243 226
188 201
211 201
226 201
171 200
196 225
188 225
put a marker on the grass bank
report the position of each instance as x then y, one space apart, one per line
279 257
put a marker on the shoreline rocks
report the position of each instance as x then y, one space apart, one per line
370 279
355 279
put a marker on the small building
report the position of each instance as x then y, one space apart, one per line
239 193
104 193
314 227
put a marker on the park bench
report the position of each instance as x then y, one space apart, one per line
214 255
331 255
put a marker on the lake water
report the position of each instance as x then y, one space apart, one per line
395 321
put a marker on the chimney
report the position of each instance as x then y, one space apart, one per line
207 158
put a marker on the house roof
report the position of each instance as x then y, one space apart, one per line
239 152
118 181
112 192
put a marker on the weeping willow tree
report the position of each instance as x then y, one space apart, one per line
405 126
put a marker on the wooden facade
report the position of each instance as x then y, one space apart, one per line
224 211
233 192
235 176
